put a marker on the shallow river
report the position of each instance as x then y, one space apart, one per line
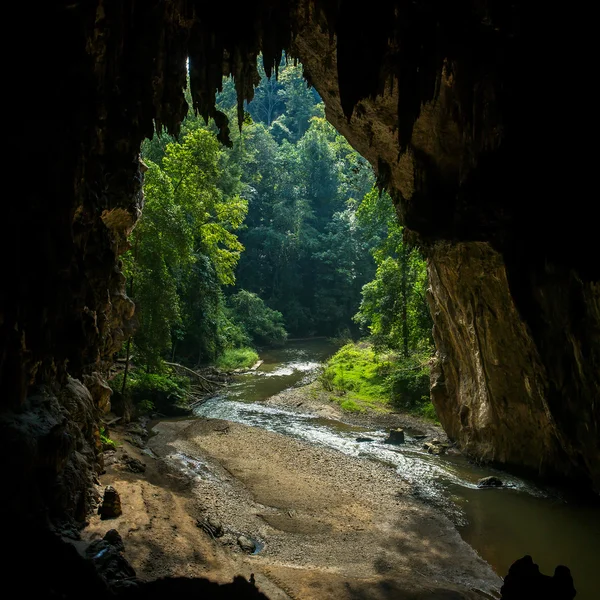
501 524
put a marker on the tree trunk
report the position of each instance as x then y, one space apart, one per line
404 266
128 354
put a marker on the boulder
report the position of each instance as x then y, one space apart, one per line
136 440
364 439
111 504
246 544
107 558
133 464
490 481
212 526
395 436
137 429
113 537
524 580
435 447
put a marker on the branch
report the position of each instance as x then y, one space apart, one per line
187 370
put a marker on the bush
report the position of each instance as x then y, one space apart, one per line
428 411
163 392
261 324
409 382
356 368
106 441
237 358
367 378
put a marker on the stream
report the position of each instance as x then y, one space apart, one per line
501 524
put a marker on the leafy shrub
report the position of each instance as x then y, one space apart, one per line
150 391
105 439
427 410
409 381
367 378
261 324
237 358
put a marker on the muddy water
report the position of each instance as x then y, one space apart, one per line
501 524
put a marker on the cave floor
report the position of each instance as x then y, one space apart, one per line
327 525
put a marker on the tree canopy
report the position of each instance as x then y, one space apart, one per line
281 233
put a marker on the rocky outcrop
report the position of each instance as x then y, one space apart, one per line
111 504
495 390
51 456
490 385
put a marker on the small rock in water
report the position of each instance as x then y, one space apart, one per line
246 544
435 447
364 439
490 481
395 436
111 504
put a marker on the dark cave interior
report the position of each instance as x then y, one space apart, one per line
474 116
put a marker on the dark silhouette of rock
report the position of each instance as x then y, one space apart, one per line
107 558
525 582
364 439
395 436
113 537
111 504
491 481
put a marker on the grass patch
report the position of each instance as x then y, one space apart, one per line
357 378
237 358
360 379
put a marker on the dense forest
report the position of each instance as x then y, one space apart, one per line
283 234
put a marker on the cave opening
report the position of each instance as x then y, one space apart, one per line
472 167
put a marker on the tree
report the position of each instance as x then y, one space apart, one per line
184 248
393 307
262 325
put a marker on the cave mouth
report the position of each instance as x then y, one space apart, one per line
515 290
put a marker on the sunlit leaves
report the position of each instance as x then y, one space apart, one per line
187 220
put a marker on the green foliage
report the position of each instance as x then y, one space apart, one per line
237 358
360 378
184 248
287 218
306 254
261 324
393 309
106 441
357 374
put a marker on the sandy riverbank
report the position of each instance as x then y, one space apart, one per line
313 399
333 526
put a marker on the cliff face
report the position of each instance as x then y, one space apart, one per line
462 113
514 285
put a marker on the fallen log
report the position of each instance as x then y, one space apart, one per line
188 370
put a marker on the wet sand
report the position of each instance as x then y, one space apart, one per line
331 526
